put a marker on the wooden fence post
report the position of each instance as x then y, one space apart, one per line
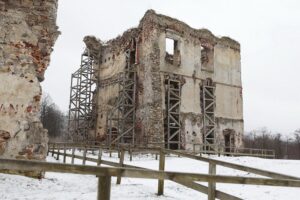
104 184
73 155
121 165
130 154
84 155
65 152
48 149
53 147
161 168
211 184
99 157
58 152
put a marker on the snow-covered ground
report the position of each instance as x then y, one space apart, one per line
72 186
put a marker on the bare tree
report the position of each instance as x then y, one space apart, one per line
285 147
53 119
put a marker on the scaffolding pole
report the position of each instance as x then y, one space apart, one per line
172 124
121 119
208 110
82 107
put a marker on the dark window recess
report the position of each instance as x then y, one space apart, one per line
172 52
204 56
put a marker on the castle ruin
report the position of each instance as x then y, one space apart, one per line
160 84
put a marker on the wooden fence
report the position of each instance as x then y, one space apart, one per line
199 148
187 179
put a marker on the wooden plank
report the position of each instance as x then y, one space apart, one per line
130 154
72 156
65 151
235 166
31 165
121 165
201 188
161 168
84 155
99 157
58 153
104 187
212 184
53 147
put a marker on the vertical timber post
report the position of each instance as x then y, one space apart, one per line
65 152
161 168
48 149
130 154
121 165
53 148
58 152
84 155
104 183
99 157
212 184
73 155
119 153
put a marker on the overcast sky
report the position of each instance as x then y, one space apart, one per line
268 31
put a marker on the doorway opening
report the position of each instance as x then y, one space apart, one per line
229 139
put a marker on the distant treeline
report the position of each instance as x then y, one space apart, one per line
287 147
53 119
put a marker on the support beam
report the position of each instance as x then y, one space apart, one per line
82 109
212 184
121 118
161 168
121 165
104 187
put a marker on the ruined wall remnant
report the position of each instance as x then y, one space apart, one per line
28 32
188 94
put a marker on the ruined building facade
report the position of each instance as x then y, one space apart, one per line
162 84
28 32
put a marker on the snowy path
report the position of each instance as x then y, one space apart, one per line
83 187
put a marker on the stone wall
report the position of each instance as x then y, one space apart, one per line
28 32
223 68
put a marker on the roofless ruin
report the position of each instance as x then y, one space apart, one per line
160 84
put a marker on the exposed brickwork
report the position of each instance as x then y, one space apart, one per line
28 32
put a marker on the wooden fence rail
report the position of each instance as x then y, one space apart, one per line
185 182
195 157
197 148
105 174
188 179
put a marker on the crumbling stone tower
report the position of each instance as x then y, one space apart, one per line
28 32
167 84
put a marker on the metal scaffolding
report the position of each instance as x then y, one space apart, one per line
208 109
121 119
82 107
172 124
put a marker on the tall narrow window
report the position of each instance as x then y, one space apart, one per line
170 45
172 52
